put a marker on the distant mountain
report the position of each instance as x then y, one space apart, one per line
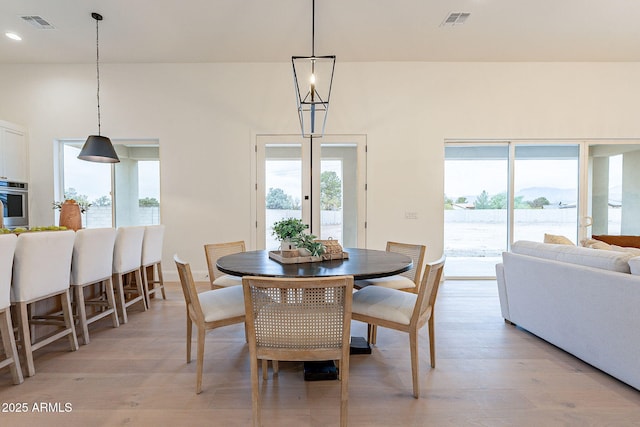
553 195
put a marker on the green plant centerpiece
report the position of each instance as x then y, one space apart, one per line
291 232
309 243
287 230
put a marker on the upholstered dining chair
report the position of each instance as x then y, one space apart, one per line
406 281
11 359
213 251
152 261
299 319
127 259
42 270
208 310
91 264
403 311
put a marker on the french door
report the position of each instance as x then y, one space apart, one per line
318 180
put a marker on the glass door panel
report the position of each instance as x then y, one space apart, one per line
614 189
339 193
545 191
283 187
475 208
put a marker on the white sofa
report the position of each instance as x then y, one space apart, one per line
585 301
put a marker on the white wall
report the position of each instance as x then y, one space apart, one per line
205 116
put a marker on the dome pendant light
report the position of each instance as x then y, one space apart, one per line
98 148
314 75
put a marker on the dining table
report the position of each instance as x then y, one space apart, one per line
357 262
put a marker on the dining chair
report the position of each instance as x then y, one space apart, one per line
299 319
152 261
42 270
208 310
403 311
91 265
11 359
406 281
213 251
127 259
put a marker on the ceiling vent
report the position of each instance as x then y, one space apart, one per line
455 18
37 21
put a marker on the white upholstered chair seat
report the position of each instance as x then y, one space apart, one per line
10 357
41 270
222 304
393 282
385 304
227 280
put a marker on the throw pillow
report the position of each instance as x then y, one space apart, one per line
558 240
596 244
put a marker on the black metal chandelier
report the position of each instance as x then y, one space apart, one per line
98 148
313 76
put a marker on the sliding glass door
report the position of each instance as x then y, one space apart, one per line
497 193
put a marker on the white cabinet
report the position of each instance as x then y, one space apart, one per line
13 153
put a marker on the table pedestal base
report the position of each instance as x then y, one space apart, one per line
326 369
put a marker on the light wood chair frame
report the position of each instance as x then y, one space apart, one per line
416 253
12 360
423 313
286 287
196 315
108 307
152 276
121 290
213 251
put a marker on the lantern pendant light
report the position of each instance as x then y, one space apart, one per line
313 76
98 148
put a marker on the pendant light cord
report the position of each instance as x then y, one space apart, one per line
98 72
313 27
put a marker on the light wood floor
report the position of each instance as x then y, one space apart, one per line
488 374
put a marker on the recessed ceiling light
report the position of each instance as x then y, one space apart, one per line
13 36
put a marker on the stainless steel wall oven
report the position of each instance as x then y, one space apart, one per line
15 201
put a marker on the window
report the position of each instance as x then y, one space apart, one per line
122 194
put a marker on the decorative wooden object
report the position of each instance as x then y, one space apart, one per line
291 257
70 215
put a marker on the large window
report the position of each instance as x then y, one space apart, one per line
123 194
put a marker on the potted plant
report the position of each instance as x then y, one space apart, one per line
308 245
70 213
286 230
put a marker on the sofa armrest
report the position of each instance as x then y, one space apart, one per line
502 292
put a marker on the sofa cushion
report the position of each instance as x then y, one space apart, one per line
597 258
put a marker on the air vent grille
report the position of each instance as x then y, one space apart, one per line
455 18
37 21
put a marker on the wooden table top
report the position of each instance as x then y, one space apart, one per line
361 264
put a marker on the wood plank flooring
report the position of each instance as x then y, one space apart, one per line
488 374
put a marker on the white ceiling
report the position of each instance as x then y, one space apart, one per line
353 30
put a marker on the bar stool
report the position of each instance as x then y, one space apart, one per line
7 249
41 270
91 264
127 256
152 260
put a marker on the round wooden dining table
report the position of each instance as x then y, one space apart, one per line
361 264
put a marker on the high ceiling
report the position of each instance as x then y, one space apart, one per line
174 31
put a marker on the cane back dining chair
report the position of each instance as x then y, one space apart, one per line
151 263
11 359
213 251
42 270
406 281
298 319
403 311
208 310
